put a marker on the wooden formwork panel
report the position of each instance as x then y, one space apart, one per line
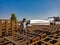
8 26
4 41
14 26
19 40
44 27
32 38
0 28
17 25
51 40
24 42
39 34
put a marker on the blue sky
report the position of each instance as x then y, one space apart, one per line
29 9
